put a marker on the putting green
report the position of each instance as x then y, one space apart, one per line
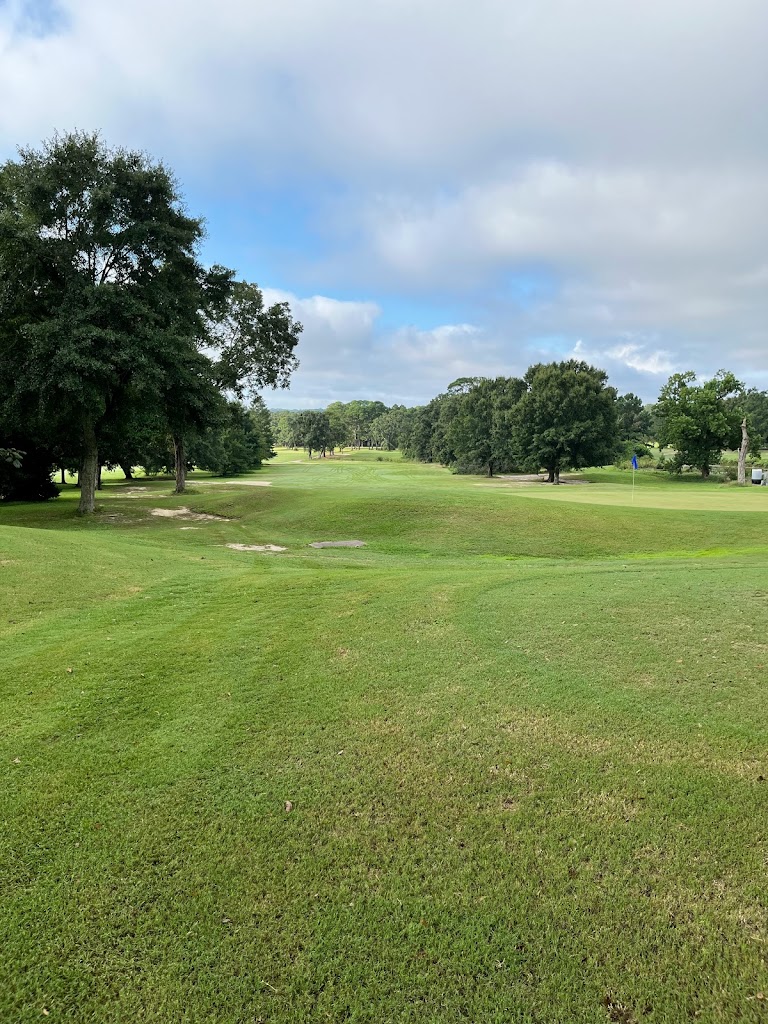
720 498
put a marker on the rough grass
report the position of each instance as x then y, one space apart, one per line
524 743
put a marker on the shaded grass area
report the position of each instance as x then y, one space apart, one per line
526 787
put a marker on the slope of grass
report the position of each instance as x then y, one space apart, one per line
526 767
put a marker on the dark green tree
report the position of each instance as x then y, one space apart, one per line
313 430
341 428
236 444
253 345
754 404
391 428
359 415
635 421
481 433
25 472
280 425
102 295
566 419
700 420
418 443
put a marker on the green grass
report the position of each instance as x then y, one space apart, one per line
525 742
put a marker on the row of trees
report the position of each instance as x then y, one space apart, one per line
116 343
356 424
559 415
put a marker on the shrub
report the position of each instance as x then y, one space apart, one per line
28 478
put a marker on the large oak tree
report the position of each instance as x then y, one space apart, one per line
102 293
107 314
567 419
700 420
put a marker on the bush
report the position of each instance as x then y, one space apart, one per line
725 471
468 469
31 480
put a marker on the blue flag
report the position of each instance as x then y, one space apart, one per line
634 462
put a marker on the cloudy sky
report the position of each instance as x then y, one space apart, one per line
443 188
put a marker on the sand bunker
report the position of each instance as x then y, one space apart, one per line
255 547
186 513
338 544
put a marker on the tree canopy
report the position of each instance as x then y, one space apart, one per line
107 314
700 420
566 419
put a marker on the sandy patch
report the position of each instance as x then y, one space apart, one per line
186 513
189 527
133 491
240 483
338 544
256 547
533 478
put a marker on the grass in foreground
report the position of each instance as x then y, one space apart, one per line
524 743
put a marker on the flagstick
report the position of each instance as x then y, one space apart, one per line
633 485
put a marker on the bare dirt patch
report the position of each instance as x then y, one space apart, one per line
186 513
529 478
256 547
240 483
338 544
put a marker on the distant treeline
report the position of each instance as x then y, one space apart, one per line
557 416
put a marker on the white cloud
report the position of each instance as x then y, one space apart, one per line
344 354
637 356
616 150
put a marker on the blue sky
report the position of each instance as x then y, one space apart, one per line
439 188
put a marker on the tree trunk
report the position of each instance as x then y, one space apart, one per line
557 477
550 476
180 463
743 452
63 475
490 469
126 471
705 471
89 468
98 477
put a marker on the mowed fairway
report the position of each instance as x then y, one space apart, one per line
524 744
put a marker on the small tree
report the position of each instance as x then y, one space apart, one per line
634 420
236 444
313 430
754 404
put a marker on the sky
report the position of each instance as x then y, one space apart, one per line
443 189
